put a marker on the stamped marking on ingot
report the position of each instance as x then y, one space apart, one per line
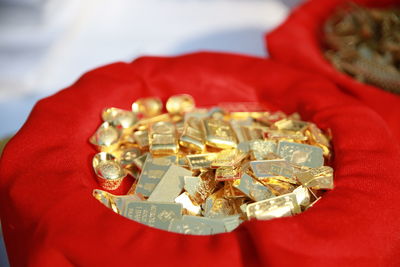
108 170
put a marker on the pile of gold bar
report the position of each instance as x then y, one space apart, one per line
365 43
204 171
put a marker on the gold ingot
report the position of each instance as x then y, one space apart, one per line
106 137
163 139
119 117
180 104
200 161
219 134
227 173
108 170
228 158
275 135
193 135
280 206
163 144
148 107
291 125
217 145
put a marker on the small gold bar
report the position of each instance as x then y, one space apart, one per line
154 214
291 125
322 178
227 173
193 135
153 170
272 168
170 185
252 188
219 134
163 139
275 135
228 157
163 144
116 203
281 206
261 148
301 154
316 178
237 124
200 161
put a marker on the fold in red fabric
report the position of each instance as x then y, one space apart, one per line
50 218
297 42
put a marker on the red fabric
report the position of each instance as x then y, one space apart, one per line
50 218
297 42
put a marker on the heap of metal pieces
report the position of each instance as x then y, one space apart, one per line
204 171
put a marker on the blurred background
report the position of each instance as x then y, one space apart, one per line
45 45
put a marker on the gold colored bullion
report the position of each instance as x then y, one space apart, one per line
148 107
203 171
180 104
192 136
108 170
119 117
106 137
219 134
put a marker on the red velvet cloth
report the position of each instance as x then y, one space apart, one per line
50 218
297 42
